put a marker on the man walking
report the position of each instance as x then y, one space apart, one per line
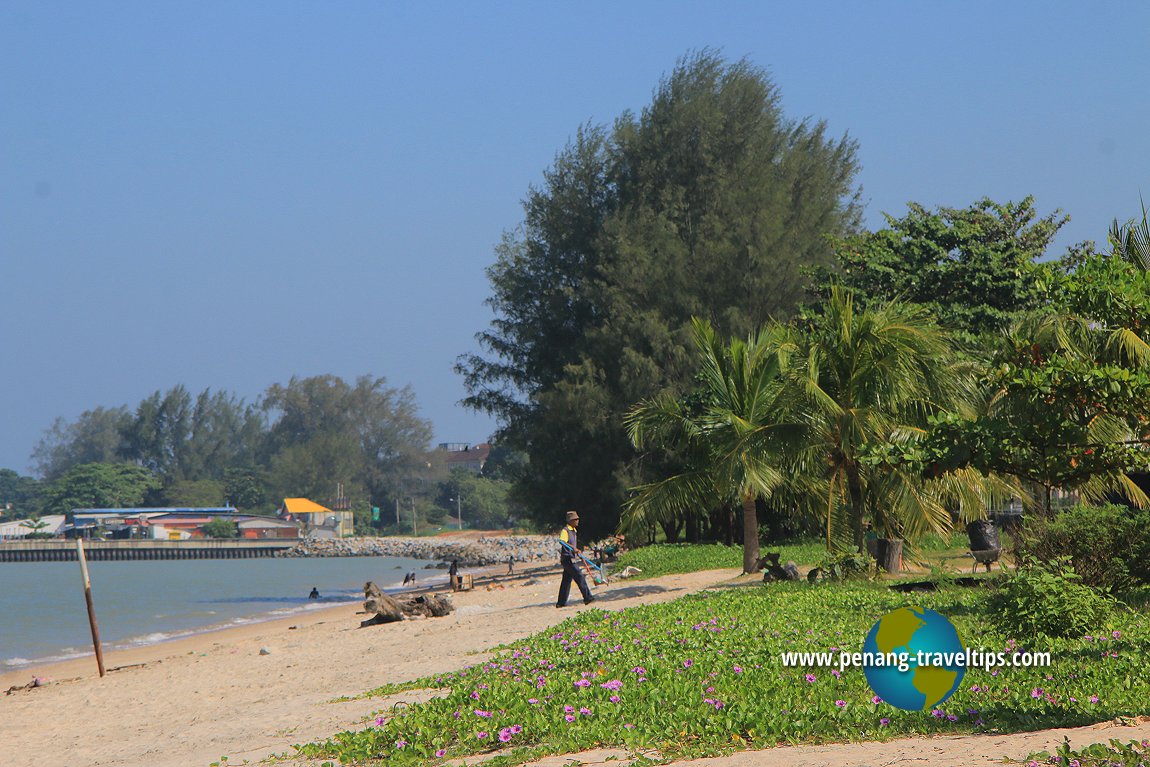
569 557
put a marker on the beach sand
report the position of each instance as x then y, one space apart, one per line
189 702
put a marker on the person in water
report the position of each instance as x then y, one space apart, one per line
314 593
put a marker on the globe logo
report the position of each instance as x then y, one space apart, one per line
922 639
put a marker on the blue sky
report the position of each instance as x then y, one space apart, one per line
228 194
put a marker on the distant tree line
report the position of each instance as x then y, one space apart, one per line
176 448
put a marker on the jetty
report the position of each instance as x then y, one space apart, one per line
126 550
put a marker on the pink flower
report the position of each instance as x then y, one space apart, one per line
482 734
1093 698
569 709
505 735
876 700
614 684
883 722
639 670
484 714
841 703
441 753
569 717
582 683
1036 692
836 673
379 720
738 669
516 729
614 698
810 678
585 711
475 695
400 743
688 663
532 701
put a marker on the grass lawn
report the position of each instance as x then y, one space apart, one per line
668 558
702 675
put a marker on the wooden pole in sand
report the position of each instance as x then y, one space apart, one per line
91 609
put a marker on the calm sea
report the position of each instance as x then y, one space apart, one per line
43 618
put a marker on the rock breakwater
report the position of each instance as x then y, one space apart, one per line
471 552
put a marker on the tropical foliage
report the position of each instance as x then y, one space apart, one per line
796 412
977 269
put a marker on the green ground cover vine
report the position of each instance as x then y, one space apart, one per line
702 675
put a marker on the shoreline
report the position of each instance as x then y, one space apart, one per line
432 575
120 655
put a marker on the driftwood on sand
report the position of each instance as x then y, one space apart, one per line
386 609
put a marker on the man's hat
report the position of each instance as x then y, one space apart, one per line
572 516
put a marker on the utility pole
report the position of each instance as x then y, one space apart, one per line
459 508
414 522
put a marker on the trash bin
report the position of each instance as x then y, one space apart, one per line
983 536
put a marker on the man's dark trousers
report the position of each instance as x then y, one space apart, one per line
573 573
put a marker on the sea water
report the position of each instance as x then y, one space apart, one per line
43 617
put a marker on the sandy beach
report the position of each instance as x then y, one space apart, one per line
189 702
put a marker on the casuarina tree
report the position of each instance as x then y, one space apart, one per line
707 203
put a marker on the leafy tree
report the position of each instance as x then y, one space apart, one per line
975 268
323 431
731 434
20 496
1068 398
221 528
194 493
184 438
99 485
704 204
244 488
95 437
484 502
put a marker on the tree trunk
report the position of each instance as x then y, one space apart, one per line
888 554
671 530
854 489
750 535
692 526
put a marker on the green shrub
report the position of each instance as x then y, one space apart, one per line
1134 753
1109 546
845 567
1047 599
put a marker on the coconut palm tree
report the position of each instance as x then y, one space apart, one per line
1131 241
871 378
728 434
